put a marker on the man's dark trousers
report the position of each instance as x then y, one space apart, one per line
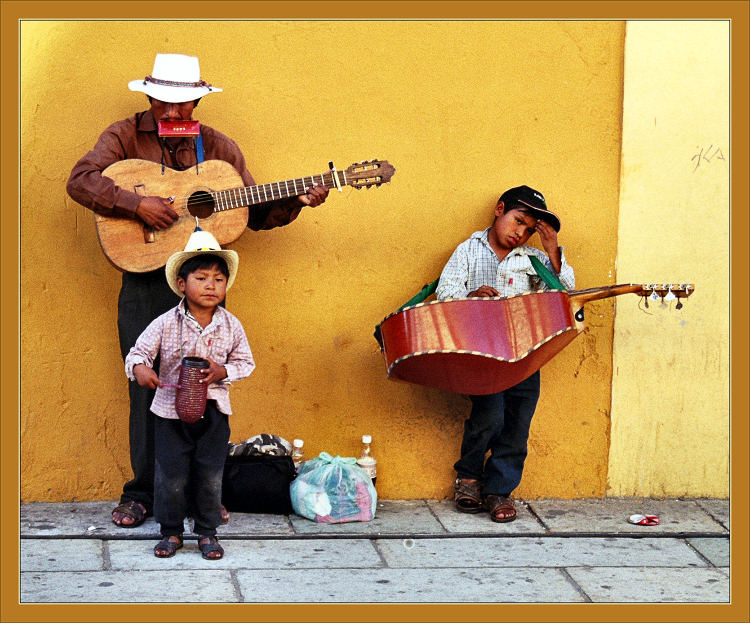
143 297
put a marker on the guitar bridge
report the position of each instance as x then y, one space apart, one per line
148 231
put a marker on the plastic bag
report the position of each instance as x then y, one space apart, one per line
333 490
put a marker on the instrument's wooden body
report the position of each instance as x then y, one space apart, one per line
486 345
130 245
477 345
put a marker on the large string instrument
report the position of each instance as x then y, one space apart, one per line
212 191
486 345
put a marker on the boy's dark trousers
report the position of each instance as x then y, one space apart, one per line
188 470
143 297
499 423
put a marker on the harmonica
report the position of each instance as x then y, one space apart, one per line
179 128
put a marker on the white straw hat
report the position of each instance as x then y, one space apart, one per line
176 78
200 243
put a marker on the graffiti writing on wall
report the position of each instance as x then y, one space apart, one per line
707 155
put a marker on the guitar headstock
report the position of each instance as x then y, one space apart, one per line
667 292
372 173
660 290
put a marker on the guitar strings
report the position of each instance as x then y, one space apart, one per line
276 193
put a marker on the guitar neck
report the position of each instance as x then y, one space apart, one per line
604 292
679 290
253 195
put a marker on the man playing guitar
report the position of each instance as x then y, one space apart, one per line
174 89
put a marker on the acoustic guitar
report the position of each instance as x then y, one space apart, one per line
486 345
212 191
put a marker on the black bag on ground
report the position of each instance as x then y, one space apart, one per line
257 484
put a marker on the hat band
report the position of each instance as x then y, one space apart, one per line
172 83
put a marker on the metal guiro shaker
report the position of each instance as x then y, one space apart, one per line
190 397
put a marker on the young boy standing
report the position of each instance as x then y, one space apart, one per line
190 457
495 262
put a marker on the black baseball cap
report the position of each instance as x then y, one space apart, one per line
533 201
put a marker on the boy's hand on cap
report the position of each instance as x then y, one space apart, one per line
547 233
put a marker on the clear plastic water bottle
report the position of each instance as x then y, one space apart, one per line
298 453
366 461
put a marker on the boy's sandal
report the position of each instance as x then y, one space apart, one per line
167 547
211 546
501 508
131 509
468 496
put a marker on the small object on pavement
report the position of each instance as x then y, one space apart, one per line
644 520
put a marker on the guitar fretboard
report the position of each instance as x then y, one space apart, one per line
252 195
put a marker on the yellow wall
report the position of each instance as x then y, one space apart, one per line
463 110
670 403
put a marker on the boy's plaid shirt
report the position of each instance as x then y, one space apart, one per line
474 264
175 335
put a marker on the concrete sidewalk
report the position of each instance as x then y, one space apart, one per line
414 551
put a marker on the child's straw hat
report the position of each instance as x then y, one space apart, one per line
200 243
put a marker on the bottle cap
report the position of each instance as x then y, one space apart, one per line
366 439
298 443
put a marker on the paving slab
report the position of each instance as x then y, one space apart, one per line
610 515
717 508
127 587
94 519
653 585
538 552
253 554
61 555
76 519
391 517
255 525
407 585
466 523
716 550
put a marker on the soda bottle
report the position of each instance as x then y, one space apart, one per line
298 454
366 461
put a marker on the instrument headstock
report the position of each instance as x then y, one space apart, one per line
666 292
679 290
369 173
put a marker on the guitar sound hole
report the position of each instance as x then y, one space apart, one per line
201 204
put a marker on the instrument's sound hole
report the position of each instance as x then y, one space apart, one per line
201 204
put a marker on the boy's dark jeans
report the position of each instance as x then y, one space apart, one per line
499 423
188 471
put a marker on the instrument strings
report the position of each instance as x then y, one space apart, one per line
279 190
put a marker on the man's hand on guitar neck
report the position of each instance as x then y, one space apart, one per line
156 212
314 196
